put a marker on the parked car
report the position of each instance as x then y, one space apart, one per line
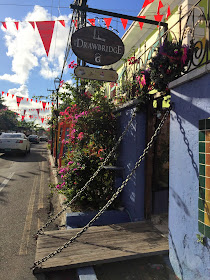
43 138
33 138
14 142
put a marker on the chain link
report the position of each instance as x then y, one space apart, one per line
40 231
115 195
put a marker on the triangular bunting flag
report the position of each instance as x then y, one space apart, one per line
17 24
38 111
158 18
107 21
24 112
13 95
92 21
146 3
43 105
45 29
4 24
168 12
124 22
160 5
2 92
62 22
75 23
141 23
27 99
7 93
23 118
31 100
32 24
18 100
42 119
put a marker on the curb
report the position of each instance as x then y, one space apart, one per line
58 199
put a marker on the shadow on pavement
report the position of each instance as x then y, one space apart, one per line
31 157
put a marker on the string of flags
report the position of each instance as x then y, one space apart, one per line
20 98
46 28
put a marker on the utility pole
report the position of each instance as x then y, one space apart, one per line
52 138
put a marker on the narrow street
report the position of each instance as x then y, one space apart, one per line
24 207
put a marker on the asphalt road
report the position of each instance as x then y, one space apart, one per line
24 206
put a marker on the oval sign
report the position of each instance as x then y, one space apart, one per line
97 45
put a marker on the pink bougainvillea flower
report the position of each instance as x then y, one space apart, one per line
80 135
72 64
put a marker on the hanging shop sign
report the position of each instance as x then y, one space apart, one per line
97 45
98 74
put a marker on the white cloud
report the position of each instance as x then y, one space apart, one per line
26 49
29 106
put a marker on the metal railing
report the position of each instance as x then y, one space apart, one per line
191 29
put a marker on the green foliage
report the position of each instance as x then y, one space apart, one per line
92 128
8 120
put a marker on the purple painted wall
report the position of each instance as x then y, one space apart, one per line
130 149
190 259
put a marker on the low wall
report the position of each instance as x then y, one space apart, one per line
130 149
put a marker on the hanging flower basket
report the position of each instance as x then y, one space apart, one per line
168 64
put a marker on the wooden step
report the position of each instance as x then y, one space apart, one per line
102 244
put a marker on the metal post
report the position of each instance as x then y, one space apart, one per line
57 83
56 136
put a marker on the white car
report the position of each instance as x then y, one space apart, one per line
14 142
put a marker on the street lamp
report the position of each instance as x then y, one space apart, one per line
57 84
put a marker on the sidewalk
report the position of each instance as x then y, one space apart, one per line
145 268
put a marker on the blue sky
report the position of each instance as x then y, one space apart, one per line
25 69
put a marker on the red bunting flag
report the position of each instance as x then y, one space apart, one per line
7 93
40 101
158 18
4 24
124 22
24 112
36 100
62 22
42 119
27 99
30 116
17 24
43 105
31 100
107 21
18 100
146 3
32 24
141 23
75 23
45 29
2 92
13 95
160 5
168 12
23 118
92 21
38 111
